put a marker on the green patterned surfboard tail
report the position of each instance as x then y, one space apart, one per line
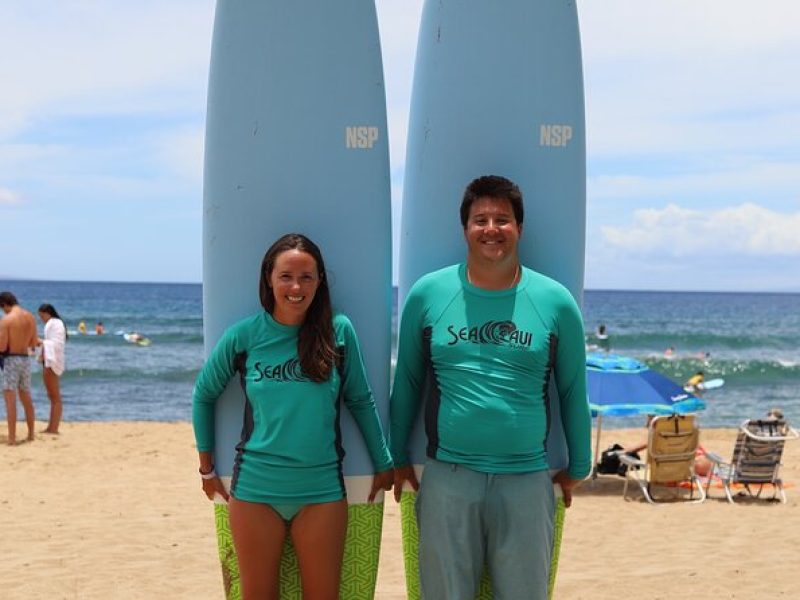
410 532
227 555
558 532
359 568
411 541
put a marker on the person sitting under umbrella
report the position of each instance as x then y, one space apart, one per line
702 466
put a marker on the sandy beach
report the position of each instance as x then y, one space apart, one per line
114 510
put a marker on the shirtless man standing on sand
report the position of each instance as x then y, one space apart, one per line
17 337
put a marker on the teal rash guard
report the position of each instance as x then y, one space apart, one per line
482 360
290 450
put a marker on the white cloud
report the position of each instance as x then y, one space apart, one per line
747 229
682 78
181 152
90 58
398 21
17 159
12 120
140 168
739 176
7 197
636 31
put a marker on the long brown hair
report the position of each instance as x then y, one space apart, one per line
49 309
316 346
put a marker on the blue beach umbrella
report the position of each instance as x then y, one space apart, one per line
623 386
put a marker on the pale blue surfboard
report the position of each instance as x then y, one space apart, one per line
711 384
498 89
296 142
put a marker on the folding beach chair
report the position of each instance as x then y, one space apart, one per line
671 445
756 458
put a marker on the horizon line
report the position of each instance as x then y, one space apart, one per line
394 286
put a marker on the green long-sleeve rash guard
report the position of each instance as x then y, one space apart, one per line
289 445
488 357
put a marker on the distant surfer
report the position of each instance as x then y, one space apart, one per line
669 353
82 328
99 328
695 383
17 339
53 363
295 359
134 337
488 335
603 340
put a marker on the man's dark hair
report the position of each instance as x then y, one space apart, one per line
492 186
8 299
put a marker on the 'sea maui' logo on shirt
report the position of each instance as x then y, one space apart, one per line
288 371
498 333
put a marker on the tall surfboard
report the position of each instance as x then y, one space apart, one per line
296 142
498 89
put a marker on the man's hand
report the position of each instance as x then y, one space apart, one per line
401 475
567 485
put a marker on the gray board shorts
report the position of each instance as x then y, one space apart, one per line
16 373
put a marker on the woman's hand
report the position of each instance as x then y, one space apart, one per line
214 486
381 481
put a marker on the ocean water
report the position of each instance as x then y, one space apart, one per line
107 378
750 340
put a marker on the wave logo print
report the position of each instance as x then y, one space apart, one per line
288 371
498 333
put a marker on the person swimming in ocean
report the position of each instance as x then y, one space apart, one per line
603 339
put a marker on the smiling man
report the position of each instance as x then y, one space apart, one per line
479 344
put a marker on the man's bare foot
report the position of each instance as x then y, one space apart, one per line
50 431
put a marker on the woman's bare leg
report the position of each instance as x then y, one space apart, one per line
318 532
53 387
258 536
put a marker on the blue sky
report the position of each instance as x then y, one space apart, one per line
693 138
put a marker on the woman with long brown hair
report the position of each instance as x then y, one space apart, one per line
53 363
294 359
